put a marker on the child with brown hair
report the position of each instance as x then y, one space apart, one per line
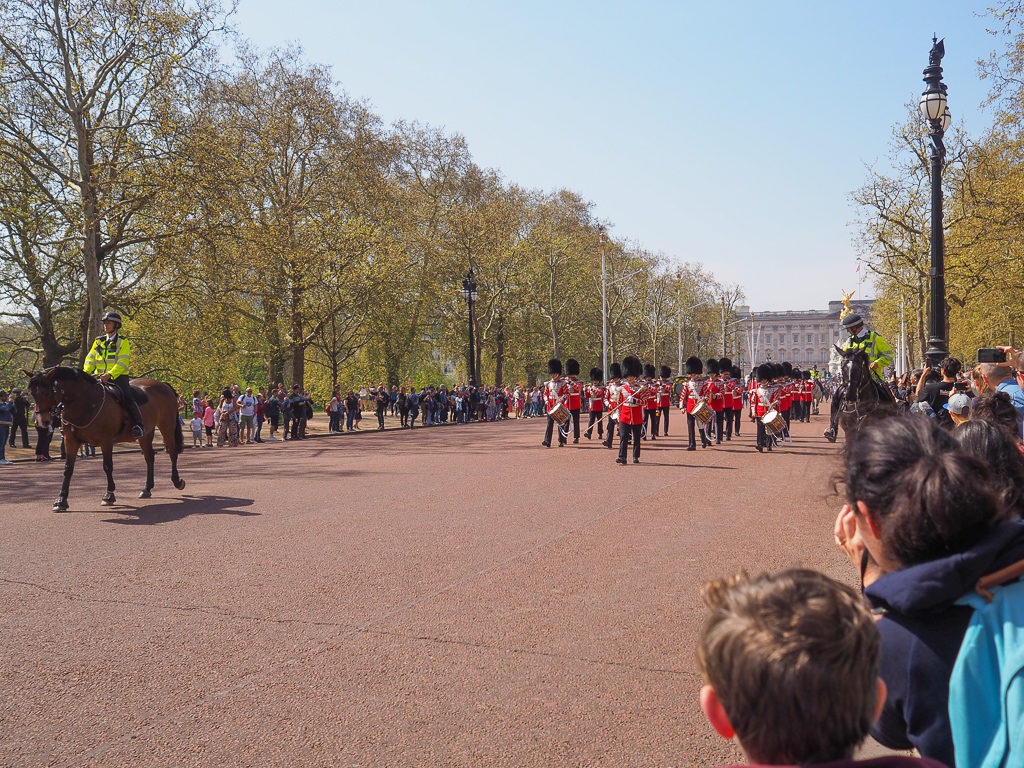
790 663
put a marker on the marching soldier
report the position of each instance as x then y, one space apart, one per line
737 399
631 417
611 400
879 356
725 384
650 403
575 392
595 394
665 396
690 399
715 399
110 356
554 394
763 398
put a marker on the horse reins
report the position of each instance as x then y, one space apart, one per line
60 408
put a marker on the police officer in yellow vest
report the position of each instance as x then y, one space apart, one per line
879 356
110 357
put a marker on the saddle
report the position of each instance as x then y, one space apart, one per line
138 394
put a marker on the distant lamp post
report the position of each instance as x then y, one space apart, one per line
604 308
936 111
470 295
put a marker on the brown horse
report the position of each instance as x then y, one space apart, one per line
89 413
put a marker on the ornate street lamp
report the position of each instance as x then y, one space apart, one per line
470 295
936 111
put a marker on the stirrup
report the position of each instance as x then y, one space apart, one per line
137 430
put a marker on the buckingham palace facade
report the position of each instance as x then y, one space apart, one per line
804 338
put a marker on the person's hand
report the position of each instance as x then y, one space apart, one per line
873 365
846 535
104 377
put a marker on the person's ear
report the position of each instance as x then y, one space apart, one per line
862 509
715 713
882 693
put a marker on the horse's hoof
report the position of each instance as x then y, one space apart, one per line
60 507
107 501
145 495
179 484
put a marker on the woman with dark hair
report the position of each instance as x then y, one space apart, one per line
997 409
997 449
924 521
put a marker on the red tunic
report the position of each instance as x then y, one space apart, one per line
554 393
786 396
665 394
715 396
595 394
575 389
695 391
632 410
763 399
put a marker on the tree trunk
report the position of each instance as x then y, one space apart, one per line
90 239
499 353
298 345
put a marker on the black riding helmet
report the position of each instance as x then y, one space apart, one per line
114 317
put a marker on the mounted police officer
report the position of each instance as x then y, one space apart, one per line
879 356
110 358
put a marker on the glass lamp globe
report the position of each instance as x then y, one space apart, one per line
933 104
947 118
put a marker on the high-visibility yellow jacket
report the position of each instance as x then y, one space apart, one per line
111 356
877 349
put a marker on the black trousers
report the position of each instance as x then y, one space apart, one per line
629 433
719 425
692 427
664 418
763 440
380 418
736 421
123 383
727 418
597 416
575 424
43 437
24 433
651 422
612 427
549 429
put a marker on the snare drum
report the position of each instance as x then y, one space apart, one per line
774 422
702 413
559 414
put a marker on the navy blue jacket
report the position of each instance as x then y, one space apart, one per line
921 634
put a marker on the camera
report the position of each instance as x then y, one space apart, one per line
991 356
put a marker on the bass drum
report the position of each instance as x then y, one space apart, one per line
678 386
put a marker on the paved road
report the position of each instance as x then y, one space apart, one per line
458 596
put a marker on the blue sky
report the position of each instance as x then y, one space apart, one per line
725 133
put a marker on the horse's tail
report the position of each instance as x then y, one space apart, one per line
179 438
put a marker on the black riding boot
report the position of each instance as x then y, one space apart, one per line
837 403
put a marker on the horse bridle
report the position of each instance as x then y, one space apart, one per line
58 392
856 409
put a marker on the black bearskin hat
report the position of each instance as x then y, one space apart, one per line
713 366
725 364
572 367
694 365
764 372
806 375
665 371
595 374
736 372
555 366
632 366
615 371
649 371
787 368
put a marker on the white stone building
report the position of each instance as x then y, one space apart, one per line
803 338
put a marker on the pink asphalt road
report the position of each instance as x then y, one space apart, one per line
456 596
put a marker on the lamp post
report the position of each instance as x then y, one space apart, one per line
936 112
470 295
604 309
723 327
679 321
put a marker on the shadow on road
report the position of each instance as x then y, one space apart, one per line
187 506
